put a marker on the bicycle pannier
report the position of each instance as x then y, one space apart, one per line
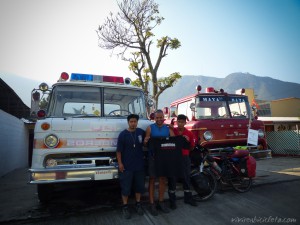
251 166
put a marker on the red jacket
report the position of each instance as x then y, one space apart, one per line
189 136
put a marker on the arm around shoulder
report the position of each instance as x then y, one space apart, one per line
147 135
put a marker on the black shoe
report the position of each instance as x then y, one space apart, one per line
188 199
173 205
191 202
126 213
153 210
139 209
172 199
161 206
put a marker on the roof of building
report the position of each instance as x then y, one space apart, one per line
284 99
279 119
11 103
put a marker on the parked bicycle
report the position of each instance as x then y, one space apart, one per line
202 178
237 167
231 167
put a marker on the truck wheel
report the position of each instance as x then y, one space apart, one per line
45 192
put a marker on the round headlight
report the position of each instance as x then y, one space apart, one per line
261 133
51 141
208 135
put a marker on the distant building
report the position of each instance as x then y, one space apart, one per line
285 107
282 123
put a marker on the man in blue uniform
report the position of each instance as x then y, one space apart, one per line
131 163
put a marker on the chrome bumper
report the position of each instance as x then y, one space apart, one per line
61 175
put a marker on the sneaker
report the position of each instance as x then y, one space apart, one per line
126 213
161 206
153 210
139 209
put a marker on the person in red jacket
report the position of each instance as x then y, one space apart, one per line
188 198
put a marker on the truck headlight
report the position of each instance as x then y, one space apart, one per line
208 135
261 133
51 141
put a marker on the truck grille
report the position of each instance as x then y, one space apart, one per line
79 160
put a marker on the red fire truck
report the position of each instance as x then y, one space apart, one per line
220 119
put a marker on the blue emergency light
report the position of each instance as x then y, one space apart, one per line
82 77
96 78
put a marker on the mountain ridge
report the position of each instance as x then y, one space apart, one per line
265 88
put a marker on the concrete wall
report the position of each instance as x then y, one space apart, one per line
14 140
287 107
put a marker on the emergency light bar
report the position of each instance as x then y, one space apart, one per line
96 78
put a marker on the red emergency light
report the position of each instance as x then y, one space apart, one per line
198 88
113 79
64 76
210 90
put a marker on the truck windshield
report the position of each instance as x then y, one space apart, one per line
239 107
71 101
221 107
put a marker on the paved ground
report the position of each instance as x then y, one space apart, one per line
18 200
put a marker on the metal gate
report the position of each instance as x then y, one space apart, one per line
284 142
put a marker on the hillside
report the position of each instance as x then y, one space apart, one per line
265 88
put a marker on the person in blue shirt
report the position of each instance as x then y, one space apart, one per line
158 129
130 158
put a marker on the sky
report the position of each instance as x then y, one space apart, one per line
42 38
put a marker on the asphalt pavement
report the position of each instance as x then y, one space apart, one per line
19 202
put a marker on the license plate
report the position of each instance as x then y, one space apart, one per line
103 174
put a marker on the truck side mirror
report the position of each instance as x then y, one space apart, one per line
192 106
150 102
151 117
166 111
36 96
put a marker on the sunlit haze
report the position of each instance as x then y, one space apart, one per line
42 38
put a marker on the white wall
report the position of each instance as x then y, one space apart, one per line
14 140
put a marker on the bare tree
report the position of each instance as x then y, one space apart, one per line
129 34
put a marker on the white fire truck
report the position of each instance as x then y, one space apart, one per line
75 136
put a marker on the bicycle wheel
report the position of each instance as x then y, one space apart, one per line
205 184
240 183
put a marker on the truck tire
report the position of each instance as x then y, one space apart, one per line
45 192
